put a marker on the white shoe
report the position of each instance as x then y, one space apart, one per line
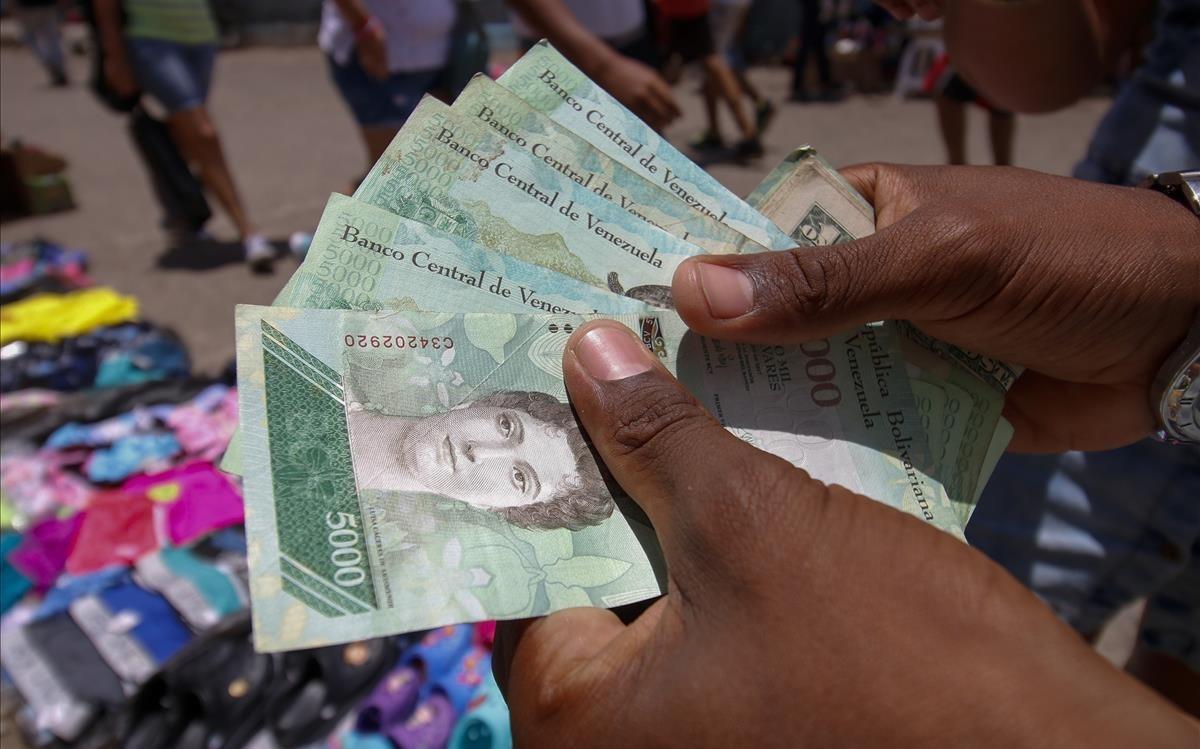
259 253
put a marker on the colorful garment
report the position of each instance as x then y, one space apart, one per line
181 21
52 317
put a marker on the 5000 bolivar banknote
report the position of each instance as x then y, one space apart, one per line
410 469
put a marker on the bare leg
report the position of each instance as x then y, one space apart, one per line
952 121
199 143
376 139
1002 127
748 87
710 108
717 73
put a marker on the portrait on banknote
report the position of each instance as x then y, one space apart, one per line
518 454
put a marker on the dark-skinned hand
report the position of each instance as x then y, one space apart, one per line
1088 286
798 614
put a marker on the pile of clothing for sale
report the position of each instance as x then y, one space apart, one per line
123 576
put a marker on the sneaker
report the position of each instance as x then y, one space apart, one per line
750 148
709 141
260 255
763 114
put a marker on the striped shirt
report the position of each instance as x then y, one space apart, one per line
182 21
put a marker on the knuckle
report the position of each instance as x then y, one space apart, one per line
807 283
654 423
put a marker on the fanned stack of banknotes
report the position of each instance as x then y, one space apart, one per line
409 455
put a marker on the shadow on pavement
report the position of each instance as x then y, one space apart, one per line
206 254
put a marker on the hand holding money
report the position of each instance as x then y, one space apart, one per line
994 260
794 610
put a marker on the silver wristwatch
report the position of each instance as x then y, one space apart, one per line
1176 393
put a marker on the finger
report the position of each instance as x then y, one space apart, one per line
910 271
544 665
928 10
708 494
1049 415
894 191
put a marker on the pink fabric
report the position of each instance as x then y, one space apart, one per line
205 433
118 528
45 549
38 487
190 501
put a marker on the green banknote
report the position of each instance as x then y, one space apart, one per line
460 176
414 469
816 206
549 83
367 258
575 159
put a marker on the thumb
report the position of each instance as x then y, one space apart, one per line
544 666
907 271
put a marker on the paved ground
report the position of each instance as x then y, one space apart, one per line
291 143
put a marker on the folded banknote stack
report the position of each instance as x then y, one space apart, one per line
409 456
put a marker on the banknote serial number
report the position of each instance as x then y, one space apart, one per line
397 341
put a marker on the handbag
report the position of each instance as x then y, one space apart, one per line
181 194
469 50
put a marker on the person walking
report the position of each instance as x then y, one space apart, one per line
814 24
40 21
728 19
691 37
166 48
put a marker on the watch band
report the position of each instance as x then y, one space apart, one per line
1176 393
1182 187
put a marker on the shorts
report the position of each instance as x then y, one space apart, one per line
691 38
1092 532
380 103
177 75
727 21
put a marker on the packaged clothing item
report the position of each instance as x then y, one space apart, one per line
190 501
106 357
55 707
130 455
13 585
460 683
37 487
96 405
73 657
134 630
485 725
429 726
117 528
156 356
485 634
8 513
101 433
21 403
205 426
70 587
52 317
45 549
392 702
39 265
201 592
